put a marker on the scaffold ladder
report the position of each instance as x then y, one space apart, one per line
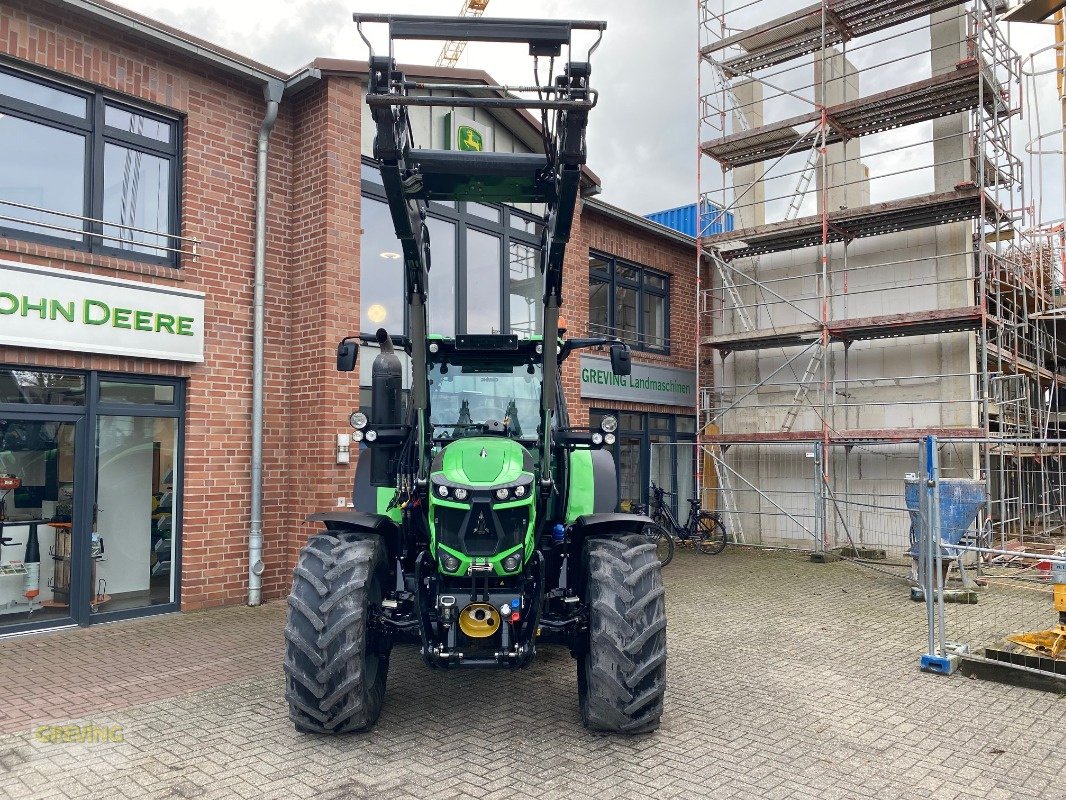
805 178
731 290
730 95
725 492
804 388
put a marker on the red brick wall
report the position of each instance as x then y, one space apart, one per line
221 123
325 297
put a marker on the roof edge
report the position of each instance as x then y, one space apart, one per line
637 221
171 38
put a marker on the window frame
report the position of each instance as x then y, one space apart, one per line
97 135
609 277
463 219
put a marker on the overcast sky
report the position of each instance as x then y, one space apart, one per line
642 136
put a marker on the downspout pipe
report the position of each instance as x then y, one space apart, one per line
273 92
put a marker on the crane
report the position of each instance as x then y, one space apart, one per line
449 56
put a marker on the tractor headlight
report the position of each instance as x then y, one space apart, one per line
442 491
460 493
450 563
608 438
609 424
358 420
597 438
510 564
357 435
520 491
433 347
502 492
371 436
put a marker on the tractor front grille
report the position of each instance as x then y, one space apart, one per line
479 530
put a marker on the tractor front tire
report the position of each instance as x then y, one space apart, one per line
335 664
621 676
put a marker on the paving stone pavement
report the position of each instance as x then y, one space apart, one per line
786 680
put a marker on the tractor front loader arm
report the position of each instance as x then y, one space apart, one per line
412 177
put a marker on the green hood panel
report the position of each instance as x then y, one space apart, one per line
483 461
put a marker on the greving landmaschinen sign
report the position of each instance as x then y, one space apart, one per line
648 383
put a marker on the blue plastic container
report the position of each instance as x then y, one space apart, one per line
960 500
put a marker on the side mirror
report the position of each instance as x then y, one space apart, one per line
347 353
620 360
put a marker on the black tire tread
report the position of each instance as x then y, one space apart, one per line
326 635
622 677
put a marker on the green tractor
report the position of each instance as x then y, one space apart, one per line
484 525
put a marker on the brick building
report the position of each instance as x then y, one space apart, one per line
128 179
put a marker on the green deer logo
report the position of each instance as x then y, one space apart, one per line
470 139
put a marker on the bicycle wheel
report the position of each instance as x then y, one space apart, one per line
712 537
664 543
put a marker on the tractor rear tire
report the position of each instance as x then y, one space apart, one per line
621 676
335 664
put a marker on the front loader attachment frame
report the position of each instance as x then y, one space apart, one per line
413 176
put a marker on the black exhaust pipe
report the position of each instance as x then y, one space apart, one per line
386 407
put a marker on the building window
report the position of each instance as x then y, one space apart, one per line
86 170
485 269
630 302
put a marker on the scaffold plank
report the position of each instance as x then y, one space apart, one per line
918 323
886 326
784 336
799 33
1007 363
873 435
930 98
891 216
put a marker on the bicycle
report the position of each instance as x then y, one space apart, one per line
702 529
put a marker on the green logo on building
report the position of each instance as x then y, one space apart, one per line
470 139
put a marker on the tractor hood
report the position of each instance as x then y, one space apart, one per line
483 461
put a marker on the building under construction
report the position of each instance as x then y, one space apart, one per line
890 274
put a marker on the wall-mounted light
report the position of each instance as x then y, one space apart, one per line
344 443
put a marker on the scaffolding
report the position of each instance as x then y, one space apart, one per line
890 275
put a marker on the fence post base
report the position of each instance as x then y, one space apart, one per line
940 665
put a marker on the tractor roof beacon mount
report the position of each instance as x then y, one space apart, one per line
412 177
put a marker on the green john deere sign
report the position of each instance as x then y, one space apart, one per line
54 309
469 139
467 135
648 383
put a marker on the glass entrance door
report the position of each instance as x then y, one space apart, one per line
39 520
133 531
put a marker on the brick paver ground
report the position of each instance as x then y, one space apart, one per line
786 680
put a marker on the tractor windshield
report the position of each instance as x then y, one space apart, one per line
464 397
